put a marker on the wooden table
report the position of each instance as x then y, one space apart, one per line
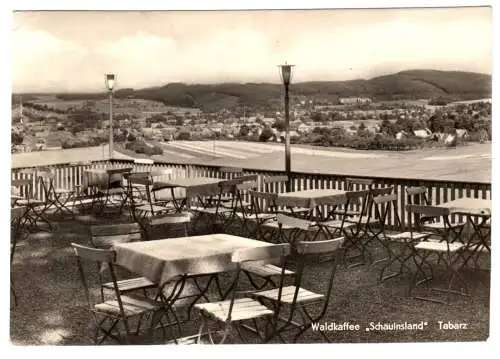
101 184
161 261
314 199
194 186
469 206
478 213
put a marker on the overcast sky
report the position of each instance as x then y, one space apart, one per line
71 51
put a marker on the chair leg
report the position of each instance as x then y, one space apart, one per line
13 291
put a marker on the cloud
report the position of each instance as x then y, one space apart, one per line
42 60
248 50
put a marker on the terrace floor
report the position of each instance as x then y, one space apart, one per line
52 307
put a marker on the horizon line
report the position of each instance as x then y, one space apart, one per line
235 82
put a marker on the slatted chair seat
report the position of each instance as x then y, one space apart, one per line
407 235
118 310
337 224
105 237
182 217
30 202
163 197
295 210
481 248
211 210
131 306
146 207
254 217
439 246
348 213
243 309
112 191
190 340
264 270
362 220
244 204
131 284
442 226
287 294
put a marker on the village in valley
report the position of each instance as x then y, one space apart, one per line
45 123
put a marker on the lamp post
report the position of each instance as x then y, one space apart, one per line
286 74
110 84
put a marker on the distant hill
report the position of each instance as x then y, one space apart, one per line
411 84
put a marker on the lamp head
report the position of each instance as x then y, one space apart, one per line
286 73
110 81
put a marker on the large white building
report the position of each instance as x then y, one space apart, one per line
354 100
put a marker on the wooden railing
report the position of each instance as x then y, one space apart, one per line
69 175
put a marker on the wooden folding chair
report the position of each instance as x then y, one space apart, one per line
121 309
17 224
166 197
262 209
277 184
288 301
105 237
169 220
400 248
233 313
113 195
358 207
57 198
446 251
241 209
368 227
418 196
479 241
25 198
142 204
218 213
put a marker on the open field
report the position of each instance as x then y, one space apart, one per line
120 106
466 163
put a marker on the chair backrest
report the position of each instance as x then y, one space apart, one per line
274 179
270 253
383 204
46 179
417 195
308 252
24 186
352 182
99 257
106 236
247 185
428 211
357 198
141 178
374 192
139 185
173 218
261 253
263 202
319 247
